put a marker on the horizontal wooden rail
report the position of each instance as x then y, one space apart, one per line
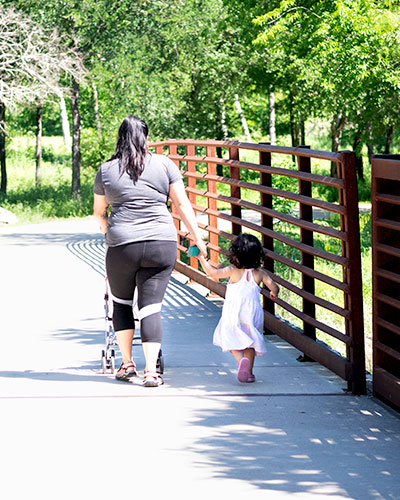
313 298
390 224
388 198
388 275
319 179
307 153
317 228
389 326
308 319
325 205
337 259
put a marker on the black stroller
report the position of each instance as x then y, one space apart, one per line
108 353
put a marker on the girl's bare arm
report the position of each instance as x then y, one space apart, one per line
271 285
215 272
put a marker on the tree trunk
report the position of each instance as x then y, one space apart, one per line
3 187
302 132
294 127
38 176
222 132
389 139
359 159
242 118
65 122
76 140
224 128
272 129
370 143
337 126
96 108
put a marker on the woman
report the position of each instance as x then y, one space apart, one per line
141 239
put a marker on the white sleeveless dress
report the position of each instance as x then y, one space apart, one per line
242 318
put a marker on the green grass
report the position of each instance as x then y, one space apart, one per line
53 199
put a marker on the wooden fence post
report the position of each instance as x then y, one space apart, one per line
354 299
212 204
267 222
234 173
307 237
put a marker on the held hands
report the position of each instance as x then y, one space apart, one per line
202 247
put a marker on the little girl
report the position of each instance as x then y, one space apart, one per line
239 330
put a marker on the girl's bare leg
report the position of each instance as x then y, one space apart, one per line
238 355
248 353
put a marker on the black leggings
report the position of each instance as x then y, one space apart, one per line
146 265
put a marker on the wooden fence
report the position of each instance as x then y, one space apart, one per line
385 198
272 191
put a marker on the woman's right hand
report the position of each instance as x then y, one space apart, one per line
202 247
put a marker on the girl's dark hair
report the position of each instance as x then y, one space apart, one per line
246 252
131 146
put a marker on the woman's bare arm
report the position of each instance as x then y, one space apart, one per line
100 206
179 198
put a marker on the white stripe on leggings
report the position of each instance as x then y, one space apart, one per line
149 310
122 301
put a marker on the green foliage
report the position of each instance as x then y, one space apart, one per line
336 57
95 150
179 64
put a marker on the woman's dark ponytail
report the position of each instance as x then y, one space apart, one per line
131 146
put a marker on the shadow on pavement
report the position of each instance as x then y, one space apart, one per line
316 445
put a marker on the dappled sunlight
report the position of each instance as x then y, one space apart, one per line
284 445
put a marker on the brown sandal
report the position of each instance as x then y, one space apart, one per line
126 371
152 379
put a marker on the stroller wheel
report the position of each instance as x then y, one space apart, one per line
103 362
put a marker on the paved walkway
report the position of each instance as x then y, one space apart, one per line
70 432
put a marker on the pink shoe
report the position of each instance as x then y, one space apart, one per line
243 370
251 379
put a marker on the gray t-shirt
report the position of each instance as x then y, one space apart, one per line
139 210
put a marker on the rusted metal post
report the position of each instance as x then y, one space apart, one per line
267 222
307 237
354 299
234 173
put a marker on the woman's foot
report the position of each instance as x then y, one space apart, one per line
251 379
152 379
243 370
126 371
